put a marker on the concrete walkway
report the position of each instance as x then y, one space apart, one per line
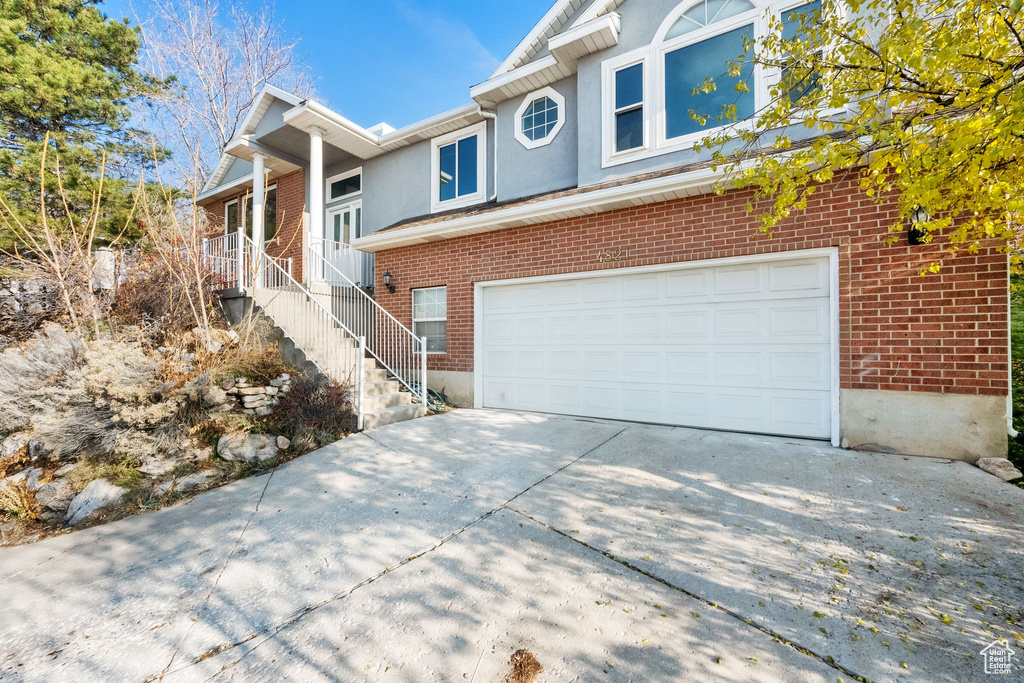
434 549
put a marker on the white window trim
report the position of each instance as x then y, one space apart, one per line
415 320
342 208
343 176
557 98
241 214
653 58
436 205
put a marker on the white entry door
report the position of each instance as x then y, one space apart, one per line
745 346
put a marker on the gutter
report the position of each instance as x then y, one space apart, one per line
493 116
584 203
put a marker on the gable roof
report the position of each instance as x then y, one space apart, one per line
554 22
252 119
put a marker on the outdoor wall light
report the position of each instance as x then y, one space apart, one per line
917 236
387 281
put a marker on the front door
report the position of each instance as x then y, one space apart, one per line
343 225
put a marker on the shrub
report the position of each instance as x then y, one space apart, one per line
157 296
316 412
17 499
26 373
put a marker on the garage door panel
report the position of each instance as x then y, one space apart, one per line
641 288
809 277
741 347
686 285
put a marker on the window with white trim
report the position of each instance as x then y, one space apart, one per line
345 185
539 118
458 168
241 210
430 317
655 99
344 223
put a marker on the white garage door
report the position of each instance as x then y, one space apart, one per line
742 347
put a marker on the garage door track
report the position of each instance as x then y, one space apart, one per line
433 550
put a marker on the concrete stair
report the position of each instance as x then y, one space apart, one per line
337 355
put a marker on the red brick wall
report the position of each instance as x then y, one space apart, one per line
898 330
291 203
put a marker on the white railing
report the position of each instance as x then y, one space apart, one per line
355 266
221 257
319 334
395 347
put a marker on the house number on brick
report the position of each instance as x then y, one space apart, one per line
613 255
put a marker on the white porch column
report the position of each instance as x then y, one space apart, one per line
259 193
316 191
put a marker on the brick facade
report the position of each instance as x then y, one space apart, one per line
899 331
291 206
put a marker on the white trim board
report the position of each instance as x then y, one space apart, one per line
831 252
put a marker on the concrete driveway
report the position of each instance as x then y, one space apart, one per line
434 549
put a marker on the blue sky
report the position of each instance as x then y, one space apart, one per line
399 61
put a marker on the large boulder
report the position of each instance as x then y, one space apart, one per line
94 497
1000 467
247 447
55 495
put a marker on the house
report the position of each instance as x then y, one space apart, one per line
558 244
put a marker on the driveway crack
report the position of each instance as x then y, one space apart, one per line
271 631
216 582
828 661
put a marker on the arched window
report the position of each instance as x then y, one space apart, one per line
653 97
701 44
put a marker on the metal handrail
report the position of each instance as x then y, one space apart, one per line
392 344
310 325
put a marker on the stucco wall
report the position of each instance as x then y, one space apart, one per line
523 172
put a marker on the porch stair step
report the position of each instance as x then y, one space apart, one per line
394 414
384 399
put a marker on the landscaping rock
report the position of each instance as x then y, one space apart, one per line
227 384
247 447
277 383
214 396
37 450
55 495
193 481
30 477
251 391
264 411
155 466
13 444
1000 467
283 443
96 496
272 390
64 469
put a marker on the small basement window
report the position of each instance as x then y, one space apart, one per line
430 317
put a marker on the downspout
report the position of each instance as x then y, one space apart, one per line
493 116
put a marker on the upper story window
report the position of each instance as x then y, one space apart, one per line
654 98
540 118
241 210
345 185
458 165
